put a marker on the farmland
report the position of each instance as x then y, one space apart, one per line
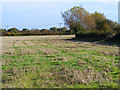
57 62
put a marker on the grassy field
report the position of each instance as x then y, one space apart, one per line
57 62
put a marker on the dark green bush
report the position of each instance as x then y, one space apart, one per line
94 35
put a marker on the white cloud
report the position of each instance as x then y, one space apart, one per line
59 0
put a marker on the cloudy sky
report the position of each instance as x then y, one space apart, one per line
47 14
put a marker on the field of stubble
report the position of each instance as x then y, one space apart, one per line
56 62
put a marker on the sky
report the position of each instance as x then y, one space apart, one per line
59 0
43 15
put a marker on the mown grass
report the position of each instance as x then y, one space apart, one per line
58 63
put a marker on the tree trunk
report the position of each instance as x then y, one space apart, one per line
75 33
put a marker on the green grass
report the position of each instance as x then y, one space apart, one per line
57 63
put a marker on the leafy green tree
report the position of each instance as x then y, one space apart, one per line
117 28
13 34
64 29
14 30
100 20
8 33
102 23
25 29
77 18
112 24
2 32
54 28
98 17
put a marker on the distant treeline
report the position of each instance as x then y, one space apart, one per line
80 22
90 25
27 32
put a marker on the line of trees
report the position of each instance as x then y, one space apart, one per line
27 32
89 25
80 22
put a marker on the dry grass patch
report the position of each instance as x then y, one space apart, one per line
30 51
49 51
29 43
19 44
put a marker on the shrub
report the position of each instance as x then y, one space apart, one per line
8 34
115 38
94 35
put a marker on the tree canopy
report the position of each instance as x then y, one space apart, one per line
77 18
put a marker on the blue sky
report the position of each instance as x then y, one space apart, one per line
47 14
